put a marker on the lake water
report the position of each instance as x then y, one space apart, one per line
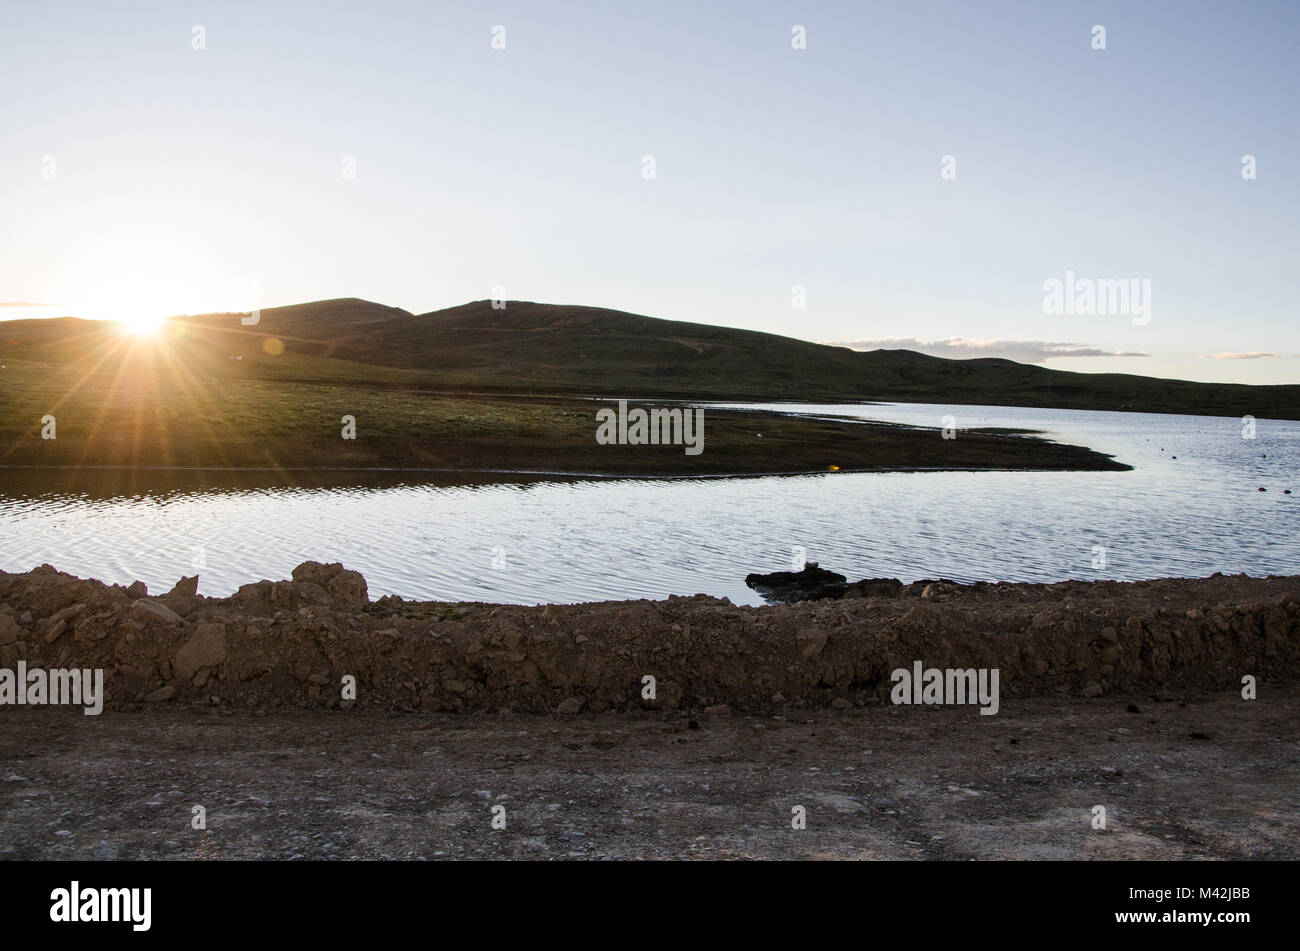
538 539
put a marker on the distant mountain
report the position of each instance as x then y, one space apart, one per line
573 349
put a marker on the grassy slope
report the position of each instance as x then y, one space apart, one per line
574 349
183 401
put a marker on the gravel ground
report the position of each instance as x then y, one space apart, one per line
1181 776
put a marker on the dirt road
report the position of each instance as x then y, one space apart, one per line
1186 776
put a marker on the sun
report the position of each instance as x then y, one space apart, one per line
141 326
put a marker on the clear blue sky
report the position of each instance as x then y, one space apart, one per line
180 173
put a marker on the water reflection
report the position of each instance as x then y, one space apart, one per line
1191 506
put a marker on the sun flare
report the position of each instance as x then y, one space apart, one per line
141 326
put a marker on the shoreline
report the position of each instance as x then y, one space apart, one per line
288 644
153 420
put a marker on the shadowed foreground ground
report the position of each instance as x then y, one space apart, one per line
1202 775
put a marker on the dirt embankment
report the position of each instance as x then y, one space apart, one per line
290 644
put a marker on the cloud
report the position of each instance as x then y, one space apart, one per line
20 303
1248 355
1022 351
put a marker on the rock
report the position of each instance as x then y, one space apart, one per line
67 614
153 611
938 589
55 629
186 587
348 589
338 586
810 584
874 588
812 641
137 590
315 572
569 705
161 694
205 648
9 630
839 703
718 710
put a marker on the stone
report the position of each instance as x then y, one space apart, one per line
348 589
569 705
874 588
55 629
813 583
161 694
205 648
153 611
137 590
67 614
937 589
341 587
718 710
186 587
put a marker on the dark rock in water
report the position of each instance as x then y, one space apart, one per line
874 588
811 584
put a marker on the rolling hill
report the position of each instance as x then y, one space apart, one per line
579 350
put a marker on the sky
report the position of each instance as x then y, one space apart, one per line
915 176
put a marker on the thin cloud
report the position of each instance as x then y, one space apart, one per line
1022 351
21 303
1248 355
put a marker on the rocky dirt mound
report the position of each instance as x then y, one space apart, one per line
292 643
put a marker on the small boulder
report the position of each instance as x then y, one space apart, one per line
813 583
186 587
341 587
205 648
348 589
153 611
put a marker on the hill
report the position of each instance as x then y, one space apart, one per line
577 350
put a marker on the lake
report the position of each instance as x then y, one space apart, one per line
1190 507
